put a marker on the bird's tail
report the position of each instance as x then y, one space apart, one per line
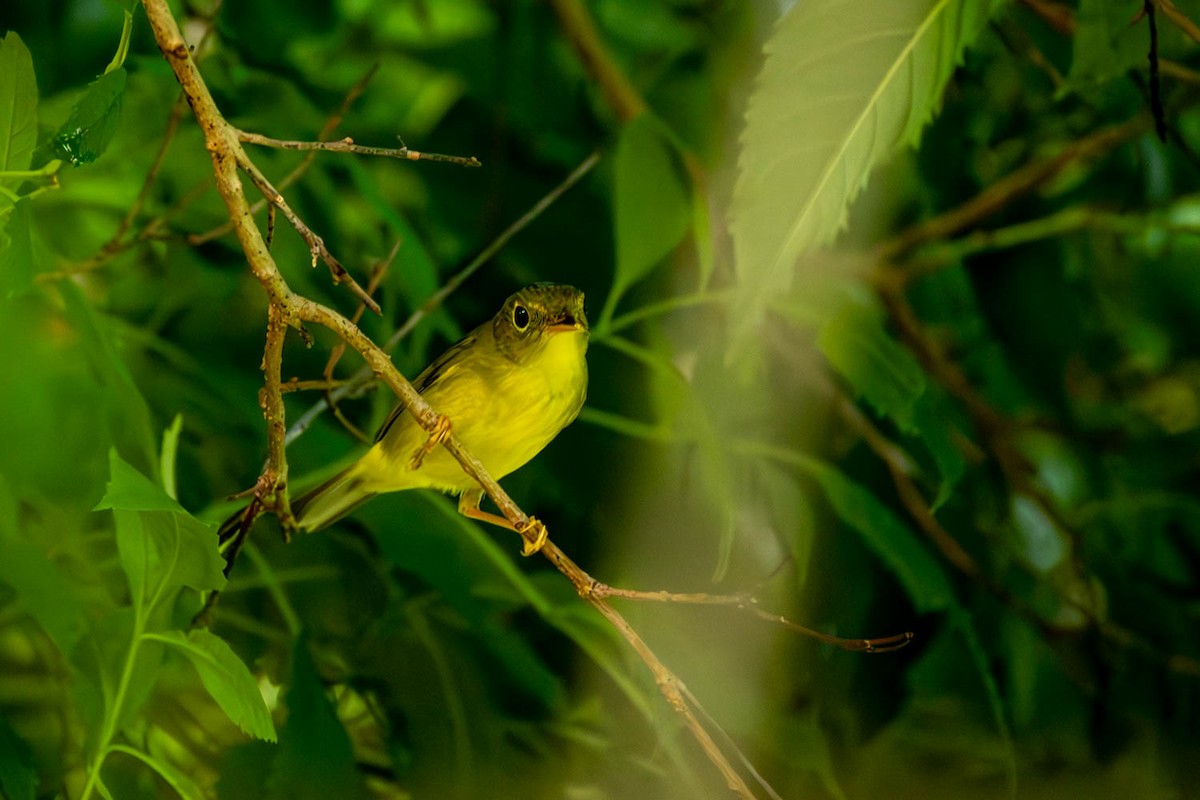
332 500
316 509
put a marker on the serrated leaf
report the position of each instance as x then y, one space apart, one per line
93 121
161 546
315 758
844 85
130 490
18 104
225 677
652 203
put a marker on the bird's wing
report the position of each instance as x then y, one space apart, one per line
438 369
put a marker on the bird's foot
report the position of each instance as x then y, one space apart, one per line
439 434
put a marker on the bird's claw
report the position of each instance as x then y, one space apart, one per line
540 535
439 434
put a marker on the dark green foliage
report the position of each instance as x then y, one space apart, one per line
987 435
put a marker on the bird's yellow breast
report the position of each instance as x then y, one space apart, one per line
503 411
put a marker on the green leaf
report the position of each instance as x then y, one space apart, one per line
161 546
18 104
879 368
933 417
225 677
914 566
130 490
652 199
93 122
1105 45
315 758
16 252
845 84
43 592
18 777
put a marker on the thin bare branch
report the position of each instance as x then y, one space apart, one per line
347 145
748 603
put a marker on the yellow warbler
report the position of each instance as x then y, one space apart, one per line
506 389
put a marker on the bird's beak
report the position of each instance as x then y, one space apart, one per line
565 324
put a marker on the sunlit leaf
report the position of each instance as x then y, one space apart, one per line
170 446
93 122
226 678
18 104
130 490
844 85
315 758
652 203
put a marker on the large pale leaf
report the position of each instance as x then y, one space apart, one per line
845 84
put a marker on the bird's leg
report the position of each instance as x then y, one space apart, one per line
439 434
468 506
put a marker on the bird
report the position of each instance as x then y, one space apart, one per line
506 390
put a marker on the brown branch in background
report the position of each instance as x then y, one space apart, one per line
347 145
1181 20
1058 16
996 431
1004 191
748 603
1156 103
579 27
288 309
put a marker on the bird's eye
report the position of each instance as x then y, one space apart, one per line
520 317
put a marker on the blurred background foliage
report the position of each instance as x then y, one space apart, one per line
985 433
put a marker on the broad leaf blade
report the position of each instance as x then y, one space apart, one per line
653 207
844 85
226 678
18 104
